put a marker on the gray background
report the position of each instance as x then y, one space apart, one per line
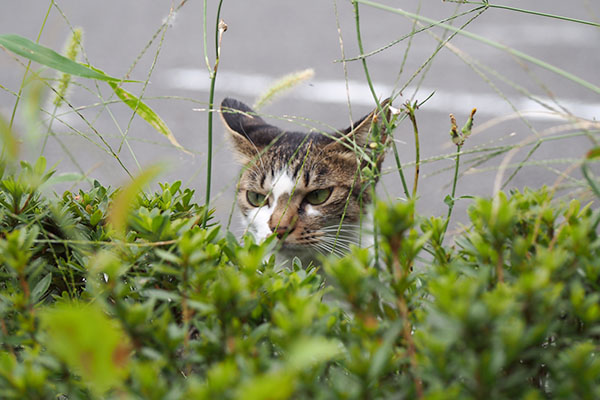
268 39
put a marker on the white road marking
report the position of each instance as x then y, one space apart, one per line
334 91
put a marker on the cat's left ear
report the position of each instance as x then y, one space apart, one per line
361 131
248 132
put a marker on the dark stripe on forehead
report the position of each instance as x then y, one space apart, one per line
262 181
297 170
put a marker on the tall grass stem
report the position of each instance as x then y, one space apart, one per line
14 110
220 28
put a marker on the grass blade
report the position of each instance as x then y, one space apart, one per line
48 57
146 113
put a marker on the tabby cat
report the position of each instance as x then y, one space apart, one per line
304 187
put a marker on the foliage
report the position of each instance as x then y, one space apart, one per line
168 309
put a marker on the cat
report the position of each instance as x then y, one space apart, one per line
306 188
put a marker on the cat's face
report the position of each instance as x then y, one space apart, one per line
305 188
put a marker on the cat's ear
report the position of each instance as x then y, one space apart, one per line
362 130
248 132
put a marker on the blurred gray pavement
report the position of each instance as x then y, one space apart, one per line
268 39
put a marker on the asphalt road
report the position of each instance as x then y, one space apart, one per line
268 39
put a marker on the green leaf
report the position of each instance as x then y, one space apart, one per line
41 287
147 114
124 200
385 352
311 351
274 385
161 295
96 217
48 57
89 342
449 200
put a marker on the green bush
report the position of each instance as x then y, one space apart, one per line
172 310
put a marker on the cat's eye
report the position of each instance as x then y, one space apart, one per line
255 199
318 196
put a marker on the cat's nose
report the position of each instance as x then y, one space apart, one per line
283 224
281 231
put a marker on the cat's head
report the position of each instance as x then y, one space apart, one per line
301 186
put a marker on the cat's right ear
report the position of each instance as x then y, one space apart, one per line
249 133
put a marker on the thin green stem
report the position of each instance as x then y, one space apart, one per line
538 13
439 47
399 169
204 35
372 88
361 49
491 43
98 92
14 110
527 157
220 27
141 95
408 36
453 193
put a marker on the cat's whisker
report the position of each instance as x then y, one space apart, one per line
325 246
347 230
333 249
335 235
337 226
346 233
334 252
350 233
341 245
320 249
341 235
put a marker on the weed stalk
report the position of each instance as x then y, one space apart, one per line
220 28
37 40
